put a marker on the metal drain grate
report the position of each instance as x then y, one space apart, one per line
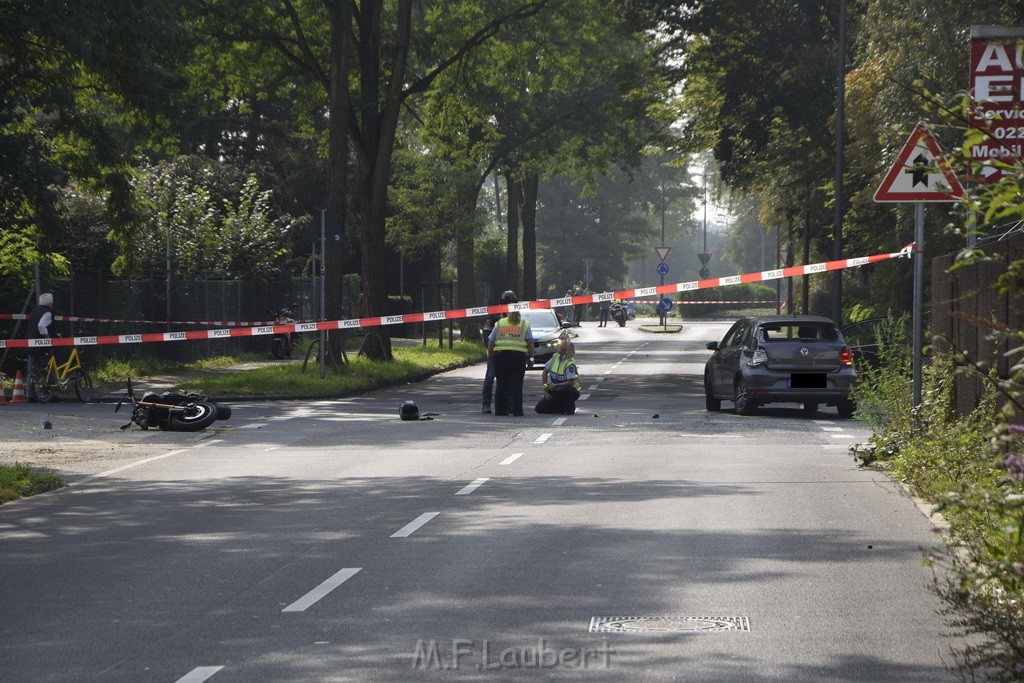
683 624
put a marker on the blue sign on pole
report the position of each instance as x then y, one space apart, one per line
662 268
665 305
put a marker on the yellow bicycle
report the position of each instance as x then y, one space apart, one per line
59 377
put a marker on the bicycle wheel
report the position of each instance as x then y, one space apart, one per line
40 381
83 385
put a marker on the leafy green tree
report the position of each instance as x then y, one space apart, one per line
382 43
77 79
614 222
532 103
203 216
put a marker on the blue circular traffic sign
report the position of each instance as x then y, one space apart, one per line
665 305
662 268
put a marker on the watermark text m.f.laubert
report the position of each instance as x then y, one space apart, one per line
485 655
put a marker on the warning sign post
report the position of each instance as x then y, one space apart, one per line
920 174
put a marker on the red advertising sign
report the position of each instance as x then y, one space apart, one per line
997 81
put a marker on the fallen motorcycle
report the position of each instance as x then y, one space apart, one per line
190 412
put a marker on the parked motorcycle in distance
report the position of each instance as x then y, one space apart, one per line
618 313
190 412
283 343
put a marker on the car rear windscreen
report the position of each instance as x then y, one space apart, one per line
797 331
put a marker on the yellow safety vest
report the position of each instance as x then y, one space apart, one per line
560 365
511 337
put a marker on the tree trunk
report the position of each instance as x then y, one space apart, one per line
376 140
465 240
515 198
338 98
530 188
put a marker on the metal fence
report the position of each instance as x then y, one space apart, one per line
215 299
966 306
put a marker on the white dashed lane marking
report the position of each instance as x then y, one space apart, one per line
199 674
469 488
559 422
415 524
511 459
322 590
542 438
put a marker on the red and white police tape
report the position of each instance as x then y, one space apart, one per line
455 314
80 319
704 303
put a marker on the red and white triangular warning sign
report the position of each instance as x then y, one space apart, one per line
920 174
662 252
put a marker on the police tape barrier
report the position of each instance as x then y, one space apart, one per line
207 323
684 303
456 314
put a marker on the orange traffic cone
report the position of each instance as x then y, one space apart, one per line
19 390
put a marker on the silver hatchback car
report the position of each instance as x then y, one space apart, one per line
779 359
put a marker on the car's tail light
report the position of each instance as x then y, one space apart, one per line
760 357
846 356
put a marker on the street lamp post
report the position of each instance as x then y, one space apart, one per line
837 211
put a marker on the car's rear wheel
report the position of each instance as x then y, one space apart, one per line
744 405
846 409
810 407
711 403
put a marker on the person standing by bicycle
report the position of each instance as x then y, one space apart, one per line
39 323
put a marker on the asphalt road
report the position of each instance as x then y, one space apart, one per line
329 541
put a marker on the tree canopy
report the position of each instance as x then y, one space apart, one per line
577 117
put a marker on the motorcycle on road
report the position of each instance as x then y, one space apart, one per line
618 314
190 412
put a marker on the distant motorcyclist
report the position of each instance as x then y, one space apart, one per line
618 313
282 344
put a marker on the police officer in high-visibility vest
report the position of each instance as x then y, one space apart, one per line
510 344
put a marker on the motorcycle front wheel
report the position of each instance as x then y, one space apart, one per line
194 417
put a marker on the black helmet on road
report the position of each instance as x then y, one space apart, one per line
409 411
509 297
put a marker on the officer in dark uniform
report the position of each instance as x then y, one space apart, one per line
507 297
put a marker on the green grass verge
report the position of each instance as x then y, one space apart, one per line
18 481
360 374
113 371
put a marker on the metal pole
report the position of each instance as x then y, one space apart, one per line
972 227
451 324
789 263
778 257
837 211
918 293
807 258
168 284
321 356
